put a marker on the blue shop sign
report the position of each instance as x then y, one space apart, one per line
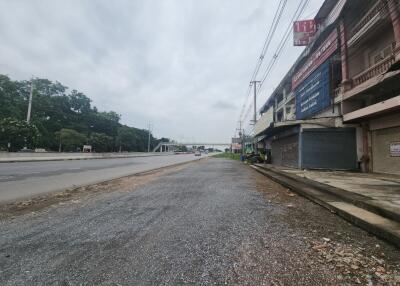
313 95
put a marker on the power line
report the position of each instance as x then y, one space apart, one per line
277 17
271 32
275 22
299 11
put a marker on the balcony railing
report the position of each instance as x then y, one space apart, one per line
375 70
380 7
336 92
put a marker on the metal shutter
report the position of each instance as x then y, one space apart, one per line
328 148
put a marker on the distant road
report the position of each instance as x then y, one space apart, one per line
25 179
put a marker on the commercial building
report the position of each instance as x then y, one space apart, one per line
338 106
370 31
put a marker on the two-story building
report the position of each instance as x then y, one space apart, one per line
370 51
306 128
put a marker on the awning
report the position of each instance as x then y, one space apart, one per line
278 127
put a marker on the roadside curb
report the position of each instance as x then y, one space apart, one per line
372 222
350 197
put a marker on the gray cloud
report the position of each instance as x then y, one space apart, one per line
224 105
159 61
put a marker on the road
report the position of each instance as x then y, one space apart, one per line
212 222
24 179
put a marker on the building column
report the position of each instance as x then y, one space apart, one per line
284 104
395 16
346 82
366 158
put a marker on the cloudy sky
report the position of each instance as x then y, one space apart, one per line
183 65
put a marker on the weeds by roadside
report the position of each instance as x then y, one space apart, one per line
228 155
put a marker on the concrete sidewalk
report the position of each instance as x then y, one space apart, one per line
370 201
382 191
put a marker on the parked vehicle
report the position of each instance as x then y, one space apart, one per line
197 153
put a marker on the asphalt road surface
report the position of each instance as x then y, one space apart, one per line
24 179
212 222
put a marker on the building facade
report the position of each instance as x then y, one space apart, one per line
371 83
338 106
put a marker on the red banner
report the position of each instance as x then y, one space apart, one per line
324 51
303 31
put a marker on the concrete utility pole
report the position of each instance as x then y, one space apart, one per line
28 116
241 136
254 83
148 142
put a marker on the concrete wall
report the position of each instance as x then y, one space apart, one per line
13 156
264 122
329 112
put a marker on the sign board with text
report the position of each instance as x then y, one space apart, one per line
313 94
323 52
395 149
303 32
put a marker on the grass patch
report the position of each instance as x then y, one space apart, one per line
228 155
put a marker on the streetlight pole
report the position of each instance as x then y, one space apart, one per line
28 116
254 83
148 141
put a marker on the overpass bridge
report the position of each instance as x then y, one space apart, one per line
167 146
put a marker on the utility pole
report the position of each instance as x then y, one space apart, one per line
148 142
241 136
254 83
28 116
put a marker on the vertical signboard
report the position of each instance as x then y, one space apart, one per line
303 31
313 94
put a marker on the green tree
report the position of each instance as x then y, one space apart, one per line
17 133
125 139
101 142
12 100
54 108
80 103
70 140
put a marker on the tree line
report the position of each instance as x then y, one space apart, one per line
62 120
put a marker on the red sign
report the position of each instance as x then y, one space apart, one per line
303 31
328 47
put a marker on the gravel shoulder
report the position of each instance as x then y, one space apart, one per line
211 222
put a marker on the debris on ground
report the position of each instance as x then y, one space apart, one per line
354 265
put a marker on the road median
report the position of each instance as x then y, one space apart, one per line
53 156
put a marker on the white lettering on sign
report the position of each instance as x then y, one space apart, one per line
303 32
316 59
395 149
